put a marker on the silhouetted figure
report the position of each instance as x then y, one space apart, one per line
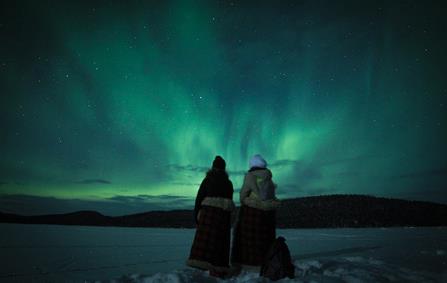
278 262
255 228
212 212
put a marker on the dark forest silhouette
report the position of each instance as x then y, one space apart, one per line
331 211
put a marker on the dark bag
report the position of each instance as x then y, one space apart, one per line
278 263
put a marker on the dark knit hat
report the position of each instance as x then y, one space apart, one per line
219 163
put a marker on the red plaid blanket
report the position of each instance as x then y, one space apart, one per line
253 236
211 246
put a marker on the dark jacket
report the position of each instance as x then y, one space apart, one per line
215 184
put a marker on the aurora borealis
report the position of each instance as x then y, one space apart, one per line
121 106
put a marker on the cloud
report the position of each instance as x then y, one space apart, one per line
200 169
286 190
21 174
347 174
301 180
15 183
185 184
151 198
236 172
357 159
292 162
305 173
188 168
93 181
424 174
283 162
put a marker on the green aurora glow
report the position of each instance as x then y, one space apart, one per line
103 100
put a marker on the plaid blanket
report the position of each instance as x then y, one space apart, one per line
253 236
211 247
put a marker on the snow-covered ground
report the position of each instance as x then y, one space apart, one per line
47 253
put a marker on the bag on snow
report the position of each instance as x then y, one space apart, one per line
278 263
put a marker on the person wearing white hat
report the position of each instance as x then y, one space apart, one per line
256 223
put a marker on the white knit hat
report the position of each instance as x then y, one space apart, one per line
257 161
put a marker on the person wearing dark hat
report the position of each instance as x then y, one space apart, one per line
212 213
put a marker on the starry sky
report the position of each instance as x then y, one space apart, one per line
121 106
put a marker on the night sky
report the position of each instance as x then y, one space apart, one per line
121 106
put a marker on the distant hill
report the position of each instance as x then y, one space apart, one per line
308 212
358 211
174 219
